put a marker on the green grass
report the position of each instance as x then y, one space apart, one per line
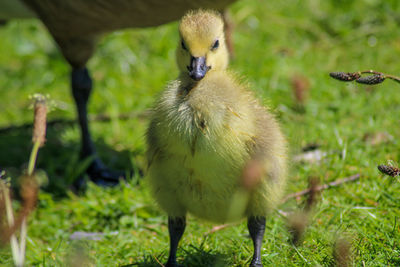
274 41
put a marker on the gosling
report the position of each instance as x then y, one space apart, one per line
206 131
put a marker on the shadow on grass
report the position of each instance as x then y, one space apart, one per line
59 159
194 257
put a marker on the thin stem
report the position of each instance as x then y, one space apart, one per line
371 71
22 243
33 157
394 78
10 219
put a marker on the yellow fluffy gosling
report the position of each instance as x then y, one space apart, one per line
206 133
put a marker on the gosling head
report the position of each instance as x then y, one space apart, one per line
202 45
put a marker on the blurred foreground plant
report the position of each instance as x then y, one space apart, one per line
28 189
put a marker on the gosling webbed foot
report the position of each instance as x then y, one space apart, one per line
256 226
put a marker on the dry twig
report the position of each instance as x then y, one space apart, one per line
322 187
218 228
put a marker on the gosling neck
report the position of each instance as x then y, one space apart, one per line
187 83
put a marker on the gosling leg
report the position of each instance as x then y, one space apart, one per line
81 88
176 227
256 226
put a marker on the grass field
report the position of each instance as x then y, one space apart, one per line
275 41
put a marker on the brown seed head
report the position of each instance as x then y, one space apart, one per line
389 170
297 224
342 253
371 79
39 126
252 173
345 76
29 193
300 87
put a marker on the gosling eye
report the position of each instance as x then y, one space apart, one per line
215 45
183 46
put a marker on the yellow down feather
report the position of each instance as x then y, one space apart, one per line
203 133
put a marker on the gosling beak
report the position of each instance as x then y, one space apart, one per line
198 68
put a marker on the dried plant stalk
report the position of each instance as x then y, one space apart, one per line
375 78
299 221
300 88
29 188
312 196
10 220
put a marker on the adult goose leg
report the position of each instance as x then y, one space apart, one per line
81 83
77 52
